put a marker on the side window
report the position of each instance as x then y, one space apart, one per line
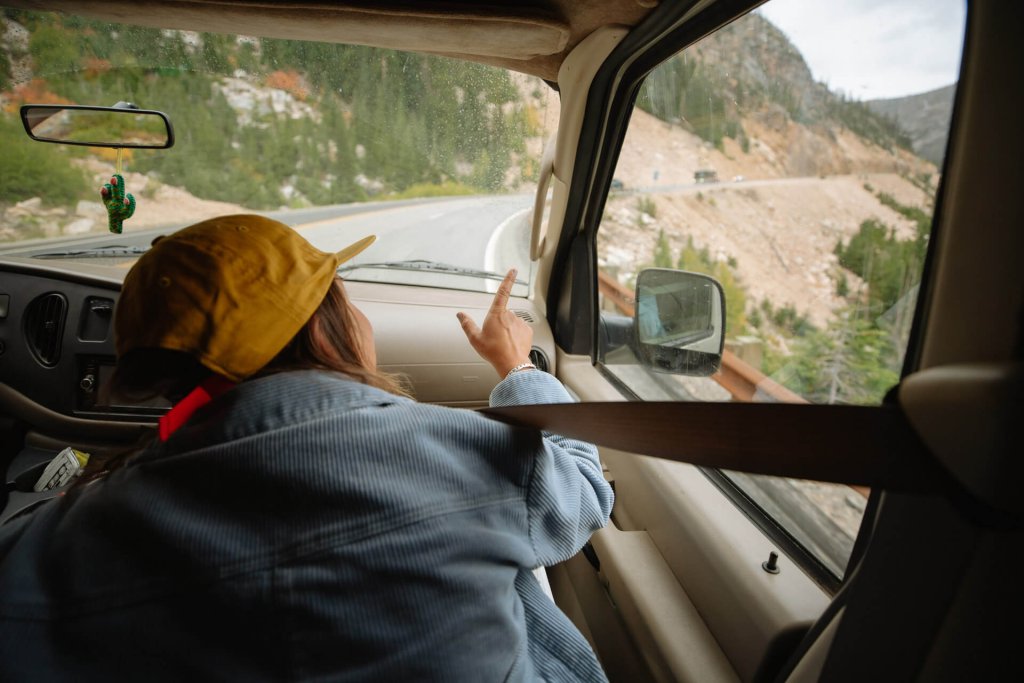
794 156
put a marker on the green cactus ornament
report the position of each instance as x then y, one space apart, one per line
120 206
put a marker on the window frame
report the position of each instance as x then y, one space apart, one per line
573 300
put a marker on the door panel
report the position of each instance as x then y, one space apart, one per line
657 610
683 566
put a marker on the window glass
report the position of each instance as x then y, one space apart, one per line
794 156
437 157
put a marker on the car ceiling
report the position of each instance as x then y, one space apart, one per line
531 36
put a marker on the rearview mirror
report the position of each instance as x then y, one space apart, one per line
118 126
680 322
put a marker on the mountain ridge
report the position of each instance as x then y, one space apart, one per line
925 117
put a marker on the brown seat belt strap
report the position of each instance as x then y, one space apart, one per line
854 445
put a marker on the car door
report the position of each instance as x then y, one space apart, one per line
711 575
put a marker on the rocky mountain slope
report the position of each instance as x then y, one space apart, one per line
801 169
925 117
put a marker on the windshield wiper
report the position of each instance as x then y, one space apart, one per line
95 252
431 266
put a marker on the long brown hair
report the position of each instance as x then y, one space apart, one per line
328 341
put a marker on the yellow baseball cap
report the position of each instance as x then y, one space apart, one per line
231 291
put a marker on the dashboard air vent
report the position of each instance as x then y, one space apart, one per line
539 358
44 327
525 315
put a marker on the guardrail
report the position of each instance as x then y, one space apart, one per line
743 381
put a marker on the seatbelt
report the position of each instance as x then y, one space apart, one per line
854 445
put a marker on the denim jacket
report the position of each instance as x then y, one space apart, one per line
303 526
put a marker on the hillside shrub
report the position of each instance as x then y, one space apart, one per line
890 266
444 189
646 205
851 362
35 169
882 130
418 120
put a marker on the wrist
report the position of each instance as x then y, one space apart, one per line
520 367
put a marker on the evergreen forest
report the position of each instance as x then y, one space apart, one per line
357 121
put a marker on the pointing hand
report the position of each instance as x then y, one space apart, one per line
504 341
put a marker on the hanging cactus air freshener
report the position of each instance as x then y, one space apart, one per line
120 204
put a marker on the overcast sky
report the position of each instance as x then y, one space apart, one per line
875 48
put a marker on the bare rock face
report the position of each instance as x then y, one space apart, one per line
15 40
925 117
773 117
79 226
809 154
25 208
89 209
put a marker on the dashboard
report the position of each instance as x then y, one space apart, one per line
57 352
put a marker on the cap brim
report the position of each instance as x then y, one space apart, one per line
354 249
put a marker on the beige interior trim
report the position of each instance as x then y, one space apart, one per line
716 553
969 417
417 335
545 261
584 380
50 422
417 28
538 236
531 37
977 296
808 670
658 610
574 79
582 594
89 273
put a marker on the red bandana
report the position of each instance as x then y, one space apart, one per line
209 389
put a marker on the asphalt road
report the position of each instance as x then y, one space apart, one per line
693 188
486 232
483 232
467 231
490 233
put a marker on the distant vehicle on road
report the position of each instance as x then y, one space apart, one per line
618 184
738 179
705 175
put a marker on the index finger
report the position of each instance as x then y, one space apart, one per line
504 291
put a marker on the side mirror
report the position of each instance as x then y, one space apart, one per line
118 126
679 322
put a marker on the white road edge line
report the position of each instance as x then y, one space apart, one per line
490 255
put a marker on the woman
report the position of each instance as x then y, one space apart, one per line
297 517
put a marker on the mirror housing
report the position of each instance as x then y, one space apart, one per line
680 322
123 125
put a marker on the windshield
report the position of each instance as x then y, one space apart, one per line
437 157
